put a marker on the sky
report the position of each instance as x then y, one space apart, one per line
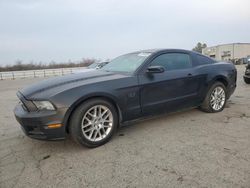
63 30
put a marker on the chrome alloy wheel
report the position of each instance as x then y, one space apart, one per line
217 99
97 123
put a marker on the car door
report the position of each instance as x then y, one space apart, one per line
173 89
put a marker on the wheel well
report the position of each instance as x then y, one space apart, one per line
222 80
94 97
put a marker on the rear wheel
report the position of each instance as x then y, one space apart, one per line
94 122
216 97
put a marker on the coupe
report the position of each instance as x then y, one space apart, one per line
90 106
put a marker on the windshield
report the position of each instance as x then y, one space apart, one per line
126 63
93 65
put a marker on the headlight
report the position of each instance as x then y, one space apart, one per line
44 105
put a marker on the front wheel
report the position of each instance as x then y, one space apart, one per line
216 97
94 122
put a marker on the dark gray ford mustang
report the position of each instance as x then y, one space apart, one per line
92 105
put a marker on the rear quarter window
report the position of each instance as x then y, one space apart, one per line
203 60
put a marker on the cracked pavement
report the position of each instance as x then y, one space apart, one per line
184 149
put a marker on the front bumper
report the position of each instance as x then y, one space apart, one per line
35 124
247 78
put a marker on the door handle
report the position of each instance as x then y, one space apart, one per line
189 75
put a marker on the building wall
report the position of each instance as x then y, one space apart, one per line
241 50
225 52
228 51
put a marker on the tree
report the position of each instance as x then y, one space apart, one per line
52 65
199 46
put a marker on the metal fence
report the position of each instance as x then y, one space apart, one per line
38 73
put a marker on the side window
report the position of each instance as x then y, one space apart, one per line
203 60
173 61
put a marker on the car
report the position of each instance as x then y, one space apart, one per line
247 73
91 67
91 106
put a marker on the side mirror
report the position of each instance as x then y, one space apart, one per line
155 69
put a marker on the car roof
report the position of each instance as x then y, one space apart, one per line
165 50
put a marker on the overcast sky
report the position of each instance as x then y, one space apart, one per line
62 30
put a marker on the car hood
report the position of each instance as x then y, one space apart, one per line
52 86
82 70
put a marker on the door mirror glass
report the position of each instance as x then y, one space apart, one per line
155 69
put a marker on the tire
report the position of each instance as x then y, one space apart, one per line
87 126
247 80
208 104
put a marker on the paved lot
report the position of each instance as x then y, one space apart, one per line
185 149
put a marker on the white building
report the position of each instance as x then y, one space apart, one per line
234 51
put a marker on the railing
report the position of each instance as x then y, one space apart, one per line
38 73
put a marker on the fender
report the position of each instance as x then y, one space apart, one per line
220 78
210 82
107 96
